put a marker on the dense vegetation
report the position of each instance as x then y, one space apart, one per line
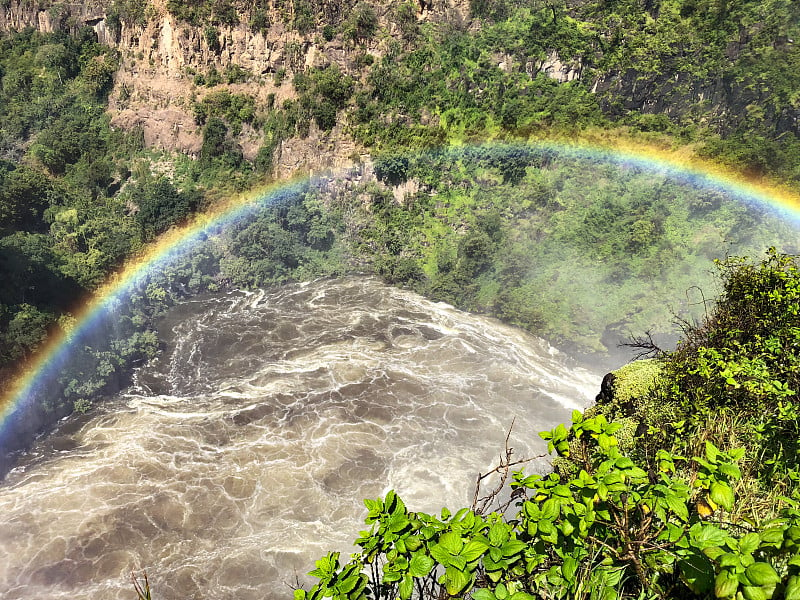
562 242
556 249
692 492
719 75
61 230
76 198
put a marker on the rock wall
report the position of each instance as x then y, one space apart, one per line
155 87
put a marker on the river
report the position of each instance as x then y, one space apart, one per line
244 451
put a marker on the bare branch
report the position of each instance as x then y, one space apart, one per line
645 344
480 504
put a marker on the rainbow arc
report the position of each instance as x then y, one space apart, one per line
42 371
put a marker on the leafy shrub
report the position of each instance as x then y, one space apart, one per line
362 24
211 35
160 205
217 146
612 530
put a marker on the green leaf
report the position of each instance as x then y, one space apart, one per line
513 547
300 595
731 559
677 505
722 494
725 585
391 576
551 509
754 593
483 594
406 587
736 453
772 536
708 535
391 501
455 581
697 572
349 583
459 562
421 565
762 573
749 543
712 452
441 555
730 470
520 596
398 522
473 550
498 534
569 568
793 588
623 462
494 575
452 542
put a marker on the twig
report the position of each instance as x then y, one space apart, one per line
480 504
645 344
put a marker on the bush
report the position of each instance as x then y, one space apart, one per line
160 205
362 24
611 530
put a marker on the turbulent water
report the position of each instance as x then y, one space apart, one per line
243 453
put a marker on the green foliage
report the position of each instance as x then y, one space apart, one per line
204 12
24 196
362 24
323 92
160 205
217 146
732 380
636 380
235 109
551 241
611 530
744 359
211 35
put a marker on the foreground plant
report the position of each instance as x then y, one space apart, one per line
602 528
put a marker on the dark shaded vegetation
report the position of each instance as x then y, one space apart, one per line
65 224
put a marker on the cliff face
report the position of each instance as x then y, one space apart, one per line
166 66
162 59
163 62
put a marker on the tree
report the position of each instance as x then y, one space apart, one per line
362 23
24 195
217 145
161 205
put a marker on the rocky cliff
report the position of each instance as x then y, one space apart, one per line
162 62
165 65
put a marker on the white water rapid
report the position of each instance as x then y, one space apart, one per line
243 453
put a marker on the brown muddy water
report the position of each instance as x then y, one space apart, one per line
244 452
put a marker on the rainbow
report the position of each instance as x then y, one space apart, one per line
43 369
